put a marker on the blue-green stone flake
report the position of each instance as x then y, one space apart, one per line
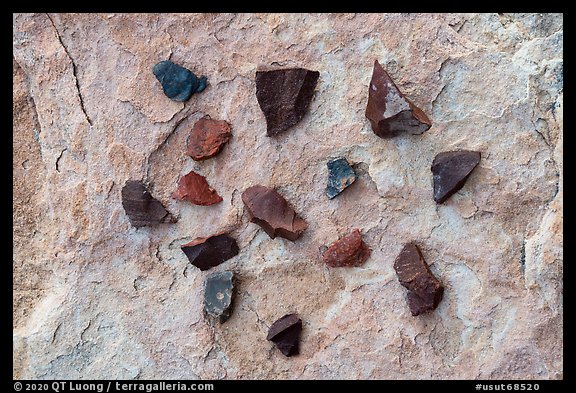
340 176
178 82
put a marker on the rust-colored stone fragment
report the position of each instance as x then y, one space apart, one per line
207 138
284 96
270 210
194 188
141 207
348 251
450 170
207 252
285 333
389 111
424 290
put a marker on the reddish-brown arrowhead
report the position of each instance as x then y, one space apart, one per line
424 290
389 111
194 188
207 138
348 251
270 210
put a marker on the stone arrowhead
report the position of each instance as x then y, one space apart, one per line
207 138
195 189
218 295
424 290
141 207
284 96
270 210
207 252
450 171
285 333
340 176
389 111
178 82
348 251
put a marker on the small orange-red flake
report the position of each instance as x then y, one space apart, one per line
194 188
348 251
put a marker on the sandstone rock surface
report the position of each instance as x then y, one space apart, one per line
96 298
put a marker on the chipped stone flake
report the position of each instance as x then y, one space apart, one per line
218 295
424 290
389 111
271 211
285 333
195 189
340 176
450 170
207 138
141 207
284 96
348 251
208 252
178 83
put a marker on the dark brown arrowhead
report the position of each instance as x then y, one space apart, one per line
194 188
285 333
270 210
348 251
207 138
389 111
424 290
141 207
450 171
284 96
207 252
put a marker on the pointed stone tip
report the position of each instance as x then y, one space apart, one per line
194 188
389 111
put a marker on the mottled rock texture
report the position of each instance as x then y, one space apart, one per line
96 298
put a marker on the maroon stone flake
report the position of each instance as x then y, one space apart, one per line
207 252
271 211
450 170
285 333
424 290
